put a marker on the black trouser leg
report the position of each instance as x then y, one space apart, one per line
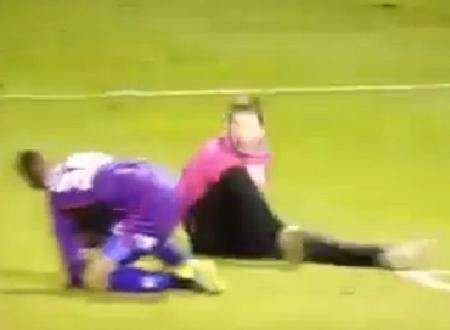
233 219
325 250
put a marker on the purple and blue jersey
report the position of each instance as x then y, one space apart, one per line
142 198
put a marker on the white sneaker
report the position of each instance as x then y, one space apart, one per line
406 256
290 242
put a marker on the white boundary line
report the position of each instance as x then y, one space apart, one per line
440 271
427 278
205 92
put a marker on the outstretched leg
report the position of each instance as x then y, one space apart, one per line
326 250
233 219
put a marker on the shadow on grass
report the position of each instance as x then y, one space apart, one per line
88 296
45 284
29 276
248 263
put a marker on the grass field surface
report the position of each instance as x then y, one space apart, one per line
370 166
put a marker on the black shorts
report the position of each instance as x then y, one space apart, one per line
233 219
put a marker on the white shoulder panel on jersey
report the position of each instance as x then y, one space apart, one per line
88 160
77 172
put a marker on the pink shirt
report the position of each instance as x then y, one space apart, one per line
206 167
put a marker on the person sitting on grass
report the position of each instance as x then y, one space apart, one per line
226 214
129 208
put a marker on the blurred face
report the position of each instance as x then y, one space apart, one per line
245 131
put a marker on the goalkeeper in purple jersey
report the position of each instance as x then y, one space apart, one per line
129 208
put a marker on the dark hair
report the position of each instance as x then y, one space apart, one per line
245 103
25 161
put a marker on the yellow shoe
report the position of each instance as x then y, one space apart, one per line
184 271
206 276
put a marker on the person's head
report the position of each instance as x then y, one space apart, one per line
30 165
245 122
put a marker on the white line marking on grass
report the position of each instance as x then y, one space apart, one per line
205 92
440 271
427 278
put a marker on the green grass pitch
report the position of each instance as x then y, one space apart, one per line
369 166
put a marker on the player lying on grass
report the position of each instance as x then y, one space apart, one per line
226 214
142 201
